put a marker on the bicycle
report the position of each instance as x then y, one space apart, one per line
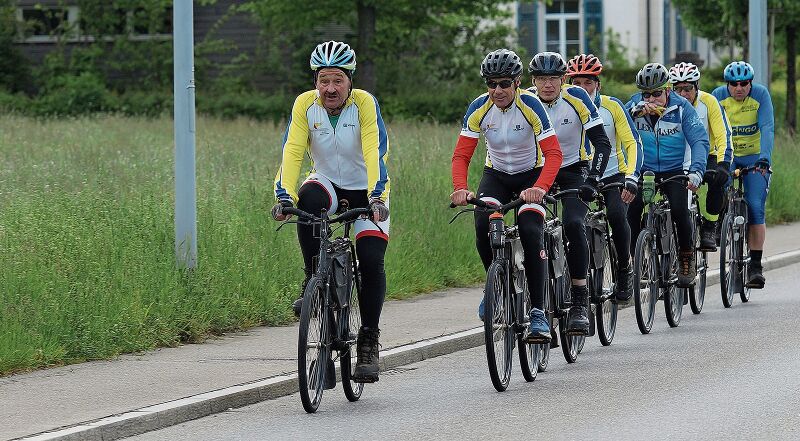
734 248
507 301
655 269
603 266
697 293
329 316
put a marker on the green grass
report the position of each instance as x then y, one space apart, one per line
87 233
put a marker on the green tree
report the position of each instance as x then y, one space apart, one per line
392 37
14 70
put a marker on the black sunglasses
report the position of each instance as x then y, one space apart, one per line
505 84
654 94
738 83
687 88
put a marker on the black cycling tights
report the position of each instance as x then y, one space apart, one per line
573 217
369 249
503 186
617 212
678 198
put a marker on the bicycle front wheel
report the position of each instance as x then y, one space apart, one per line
528 353
313 345
697 293
728 265
644 282
497 329
569 343
351 316
606 311
673 296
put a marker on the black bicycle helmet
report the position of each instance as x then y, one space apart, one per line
547 64
501 63
652 76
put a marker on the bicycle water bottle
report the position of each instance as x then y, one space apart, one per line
649 187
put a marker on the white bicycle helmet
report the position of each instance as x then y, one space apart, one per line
684 72
333 54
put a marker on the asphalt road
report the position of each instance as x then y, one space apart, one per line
725 374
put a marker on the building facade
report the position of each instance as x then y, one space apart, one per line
651 30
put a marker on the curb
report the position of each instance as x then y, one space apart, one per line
170 413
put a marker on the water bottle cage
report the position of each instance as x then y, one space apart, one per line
497 237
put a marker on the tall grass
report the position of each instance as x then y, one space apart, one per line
87 235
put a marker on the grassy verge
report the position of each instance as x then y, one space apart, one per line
86 233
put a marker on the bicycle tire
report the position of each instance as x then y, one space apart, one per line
673 295
352 315
310 373
544 349
744 269
644 270
728 267
606 312
497 327
528 353
569 343
697 294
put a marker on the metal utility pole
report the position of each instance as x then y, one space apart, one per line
185 193
757 39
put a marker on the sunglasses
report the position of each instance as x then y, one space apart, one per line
738 83
687 88
505 84
653 93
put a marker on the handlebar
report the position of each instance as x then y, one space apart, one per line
347 216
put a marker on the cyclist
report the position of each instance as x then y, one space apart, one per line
749 109
674 143
348 164
623 163
685 80
580 131
523 157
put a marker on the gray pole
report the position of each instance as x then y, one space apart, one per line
757 36
185 194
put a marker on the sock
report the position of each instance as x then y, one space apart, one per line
755 257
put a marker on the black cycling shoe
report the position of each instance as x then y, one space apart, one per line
297 305
687 270
708 239
577 318
756 278
624 288
367 366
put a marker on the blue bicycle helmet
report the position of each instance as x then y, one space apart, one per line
739 71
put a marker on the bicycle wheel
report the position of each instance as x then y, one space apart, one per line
697 294
313 346
497 327
744 268
728 266
351 316
528 353
673 296
543 350
644 278
606 311
569 343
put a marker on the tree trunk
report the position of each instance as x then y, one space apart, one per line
366 35
791 78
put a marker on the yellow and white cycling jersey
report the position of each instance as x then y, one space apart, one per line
351 152
714 119
626 146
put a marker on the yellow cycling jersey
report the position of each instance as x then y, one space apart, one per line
714 119
626 146
752 121
352 155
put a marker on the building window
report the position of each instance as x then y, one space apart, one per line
45 24
563 27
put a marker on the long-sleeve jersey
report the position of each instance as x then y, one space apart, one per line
626 145
351 152
578 126
677 140
518 139
752 121
712 114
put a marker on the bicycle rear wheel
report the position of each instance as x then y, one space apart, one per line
697 294
497 330
606 311
728 266
744 293
528 353
644 282
672 294
347 363
313 345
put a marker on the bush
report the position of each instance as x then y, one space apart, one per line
140 103
74 95
260 107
